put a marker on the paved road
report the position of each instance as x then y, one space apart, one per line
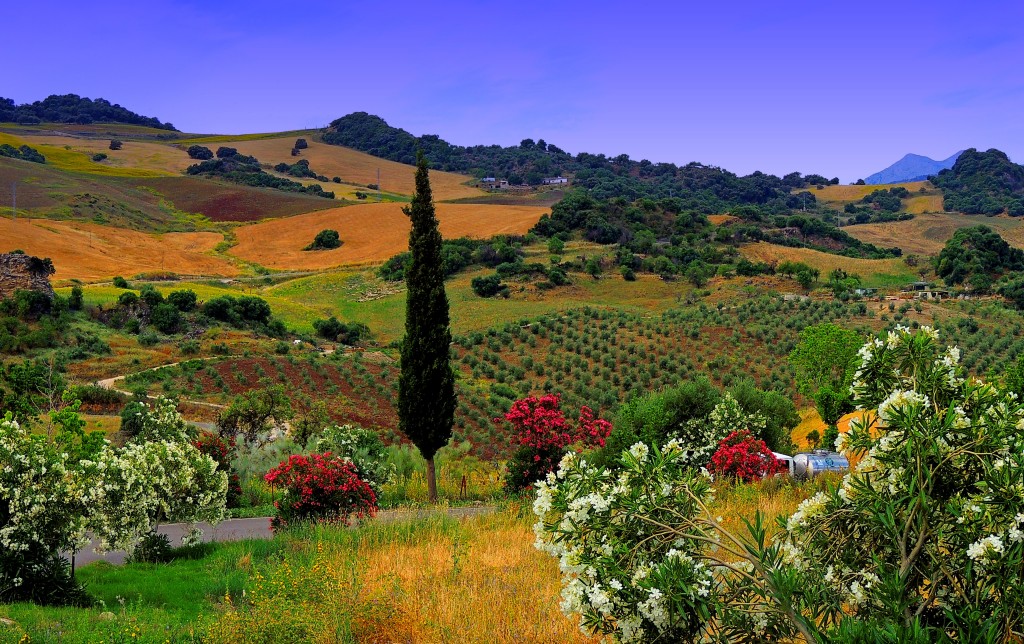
259 528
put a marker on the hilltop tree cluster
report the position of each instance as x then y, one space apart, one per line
71 108
983 183
706 188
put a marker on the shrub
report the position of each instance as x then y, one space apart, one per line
120 282
220 450
184 300
350 333
77 299
99 156
199 152
543 436
325 240
300 144
361 446
148 339
226 152
932 507
115 144
488 286
319 488
165 317
744 458
150 295
127 299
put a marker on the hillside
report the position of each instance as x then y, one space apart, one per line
703 188
351 166
912 167
369 232
983 183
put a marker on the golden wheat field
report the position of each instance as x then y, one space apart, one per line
91 252
846 194
369 232
926 234
354 166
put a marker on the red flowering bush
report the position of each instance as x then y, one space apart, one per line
219 449
744 458
321 488
543 436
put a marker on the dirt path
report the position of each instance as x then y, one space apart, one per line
111 383
259 528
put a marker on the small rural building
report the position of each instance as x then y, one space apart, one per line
865 292
554 181
931 295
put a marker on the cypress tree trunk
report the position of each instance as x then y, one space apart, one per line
426 387
431 480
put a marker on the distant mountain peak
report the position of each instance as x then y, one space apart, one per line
912 167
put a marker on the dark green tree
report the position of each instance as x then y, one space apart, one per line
426 387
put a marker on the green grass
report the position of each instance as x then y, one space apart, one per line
80 162
162 601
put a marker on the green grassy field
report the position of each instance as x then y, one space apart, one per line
80 162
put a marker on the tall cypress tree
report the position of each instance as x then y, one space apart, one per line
426 387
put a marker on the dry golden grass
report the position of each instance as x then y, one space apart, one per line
926 234
421 581
718 220
370 232
158 157
872 271
91 252
919 204
810 421
847 194
488 584
355 167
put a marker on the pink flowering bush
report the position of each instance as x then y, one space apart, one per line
744 458
319 488
543 436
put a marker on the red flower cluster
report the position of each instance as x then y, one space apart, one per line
543 436
744 457
321 488
539 423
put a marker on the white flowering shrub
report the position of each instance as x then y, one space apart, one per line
361 446
926 531
144 484
618 536
700 437
922 541
44 503
53 491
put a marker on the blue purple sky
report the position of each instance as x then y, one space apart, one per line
841 89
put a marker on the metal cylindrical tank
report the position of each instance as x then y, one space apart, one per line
810 464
